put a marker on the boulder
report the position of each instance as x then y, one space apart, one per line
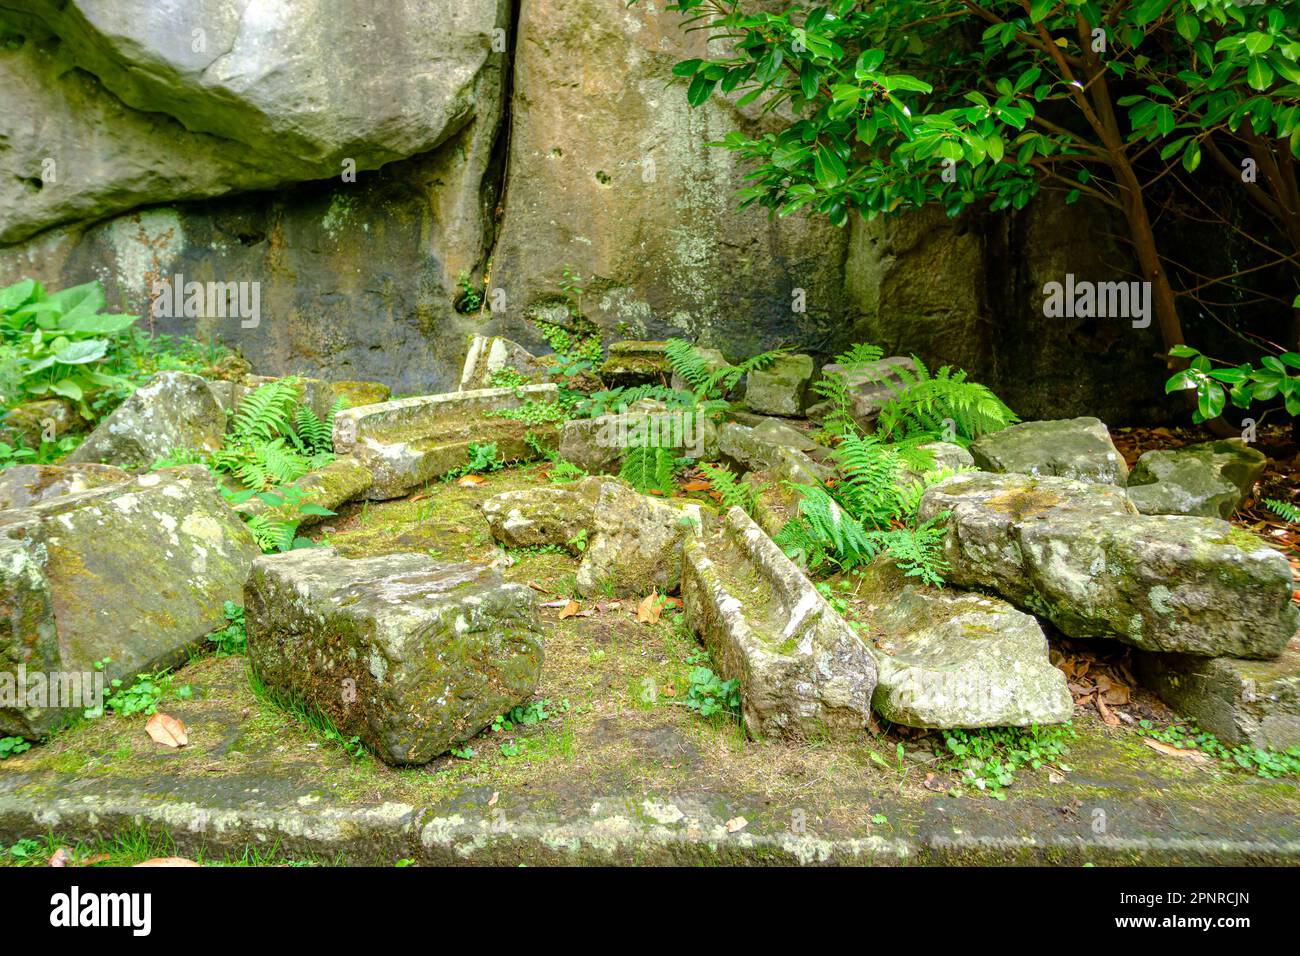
407 442
764 448
782 387
803 672
636 542
136 572
32 423
172 410
409 655
238 100
25 485
1209 479
630 543
1079 555
1078 448
1256 703
543 517
947 658
342 480
871 386
636 363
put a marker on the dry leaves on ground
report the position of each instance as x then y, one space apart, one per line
469 481
1169 750
168 861
648 611
736 824
167 730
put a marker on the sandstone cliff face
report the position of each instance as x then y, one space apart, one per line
213 142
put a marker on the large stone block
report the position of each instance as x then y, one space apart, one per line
804 673
25 485
1079 555
1079 448
1209 479
409 655
135 572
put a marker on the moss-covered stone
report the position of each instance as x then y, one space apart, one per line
782 387
1209 479
409 655
134 572
1078 448
25 485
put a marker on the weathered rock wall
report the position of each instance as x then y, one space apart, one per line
491 154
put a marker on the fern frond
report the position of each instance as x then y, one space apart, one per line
272 534
918 551
1283 509
870 486
943 405
859 355
649 468
688 362
267 413
733 492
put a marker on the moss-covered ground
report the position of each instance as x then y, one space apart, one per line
617 724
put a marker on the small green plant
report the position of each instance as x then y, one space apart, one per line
26 849
525 715
273 440
709 694
276 530
12 747
989 759
707 380
48 453
462 753
1260 761
482 458
733 492
470 298
233 638
178 456
141 696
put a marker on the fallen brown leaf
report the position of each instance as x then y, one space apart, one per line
1169 750
648 611
168 861
167 730
696 486
933 783
492 802
61 857
570 610
736 824
469 481
537 587
1107 715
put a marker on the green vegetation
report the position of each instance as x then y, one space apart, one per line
12 747
1276 376
1283 509
988 759
709 694
233 638
63 345
1138 106
140 696
1257 760
310 718
733 492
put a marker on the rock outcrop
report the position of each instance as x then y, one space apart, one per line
25 485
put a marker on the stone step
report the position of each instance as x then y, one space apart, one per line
410 655
803 671
410 441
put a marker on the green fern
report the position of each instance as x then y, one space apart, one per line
649 468
267 413
859 355
688 362
272 534
1284 510
942 405
918 551
733 492
825 531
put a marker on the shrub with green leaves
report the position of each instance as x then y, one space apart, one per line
1275 377
709 694
12 747
233 638
877 106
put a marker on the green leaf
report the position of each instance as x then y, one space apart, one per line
80 353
